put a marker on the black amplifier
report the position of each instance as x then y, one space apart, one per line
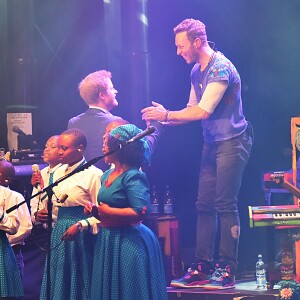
21 157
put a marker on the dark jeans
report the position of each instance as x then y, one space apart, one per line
222 167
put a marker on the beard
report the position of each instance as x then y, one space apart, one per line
191 57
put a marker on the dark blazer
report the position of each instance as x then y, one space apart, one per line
93 123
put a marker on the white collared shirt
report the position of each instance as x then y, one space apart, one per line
10 222
41 201
24 219
82 187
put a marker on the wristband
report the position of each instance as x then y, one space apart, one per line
88 222
167 116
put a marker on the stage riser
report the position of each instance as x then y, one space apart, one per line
195 296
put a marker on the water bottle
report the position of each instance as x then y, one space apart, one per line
168 205
261 280
154 202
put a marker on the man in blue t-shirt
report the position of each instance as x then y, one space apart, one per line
215 98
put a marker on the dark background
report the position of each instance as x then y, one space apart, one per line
64 40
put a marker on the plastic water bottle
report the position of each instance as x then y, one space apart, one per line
168 203
261 280
154 202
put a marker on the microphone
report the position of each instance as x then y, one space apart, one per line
147 131
17 130
35 169
62 198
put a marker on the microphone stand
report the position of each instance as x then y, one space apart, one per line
52 185
50 193
147 131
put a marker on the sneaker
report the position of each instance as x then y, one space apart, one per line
221 279
195 277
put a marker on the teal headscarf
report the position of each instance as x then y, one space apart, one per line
126 132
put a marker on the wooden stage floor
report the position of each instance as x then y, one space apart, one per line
245 290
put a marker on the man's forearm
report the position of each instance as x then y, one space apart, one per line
186 115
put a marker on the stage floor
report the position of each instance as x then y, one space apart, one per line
244 290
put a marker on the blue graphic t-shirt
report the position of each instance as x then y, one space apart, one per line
227 121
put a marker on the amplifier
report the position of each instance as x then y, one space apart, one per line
26 156
167 230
